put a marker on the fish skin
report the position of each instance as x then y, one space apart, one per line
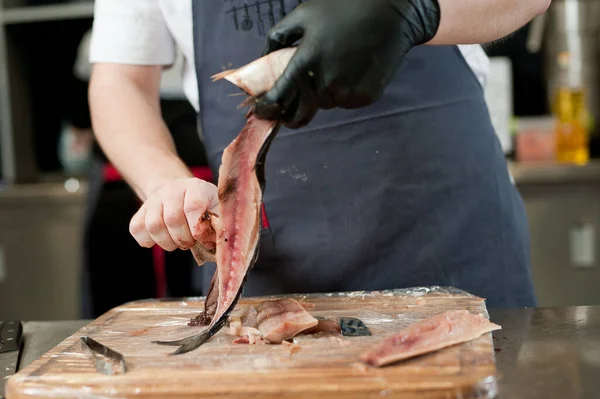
210 305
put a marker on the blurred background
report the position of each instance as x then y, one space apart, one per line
64 212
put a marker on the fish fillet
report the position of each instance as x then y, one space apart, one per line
437 332
237 224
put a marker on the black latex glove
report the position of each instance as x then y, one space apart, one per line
349 51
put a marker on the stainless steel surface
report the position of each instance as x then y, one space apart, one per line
571 26
41 239
11 345
70 191
41 336
540 353
567 16
8 367
555 173
559 199
548 352
51 12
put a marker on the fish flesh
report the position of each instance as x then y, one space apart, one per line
275 320
204 248
280 320
429 335
244 327
246 334
241 184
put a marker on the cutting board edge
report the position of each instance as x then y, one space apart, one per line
17 382
417 290
486 386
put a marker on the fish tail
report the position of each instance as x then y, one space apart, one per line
192 344
181 342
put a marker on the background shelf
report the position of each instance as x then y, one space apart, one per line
52 12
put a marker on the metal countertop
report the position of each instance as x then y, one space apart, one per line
548 352
540 353
555 173
75 189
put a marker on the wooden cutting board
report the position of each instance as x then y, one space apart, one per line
323 367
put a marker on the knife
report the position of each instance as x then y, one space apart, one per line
106 360
11 345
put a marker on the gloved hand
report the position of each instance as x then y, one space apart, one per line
348 54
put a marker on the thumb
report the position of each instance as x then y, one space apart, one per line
275 102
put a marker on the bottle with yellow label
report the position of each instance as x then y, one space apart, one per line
571 113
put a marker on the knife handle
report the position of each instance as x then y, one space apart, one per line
11 336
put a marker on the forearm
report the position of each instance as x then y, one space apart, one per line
483 21
128 126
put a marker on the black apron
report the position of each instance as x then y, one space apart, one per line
411 191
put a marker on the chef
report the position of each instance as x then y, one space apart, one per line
387 172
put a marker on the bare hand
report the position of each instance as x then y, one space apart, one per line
172 216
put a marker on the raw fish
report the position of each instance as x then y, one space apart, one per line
241 184
429 335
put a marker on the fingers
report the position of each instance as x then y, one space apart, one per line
137 228
288 31
196 202
176 221
278 38
171 216
156 227
275 103
306 108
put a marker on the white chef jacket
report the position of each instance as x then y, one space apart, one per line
152 32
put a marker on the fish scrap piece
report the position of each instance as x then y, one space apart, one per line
429 335
244 327
283 319
205 247
249 317
293 347
237 224
276 321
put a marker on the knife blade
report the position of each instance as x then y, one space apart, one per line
11 344
106 360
